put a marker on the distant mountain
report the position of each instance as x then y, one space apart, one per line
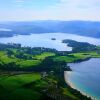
84 28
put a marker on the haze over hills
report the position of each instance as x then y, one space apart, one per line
84 28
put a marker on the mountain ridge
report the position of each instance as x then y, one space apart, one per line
83 28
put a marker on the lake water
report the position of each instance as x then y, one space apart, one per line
44 40
86 77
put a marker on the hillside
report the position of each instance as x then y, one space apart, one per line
37 73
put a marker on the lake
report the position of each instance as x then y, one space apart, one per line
44 40
85 77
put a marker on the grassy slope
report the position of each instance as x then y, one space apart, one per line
28 63
11 87
87 54
22 63
43 55
77 56
69 59
38 58
5 59
16 81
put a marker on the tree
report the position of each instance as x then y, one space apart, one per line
9 52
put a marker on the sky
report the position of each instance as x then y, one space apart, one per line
27 10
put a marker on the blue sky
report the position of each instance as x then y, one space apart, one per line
26 4
22 10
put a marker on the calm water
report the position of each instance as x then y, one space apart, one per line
86 77
44 40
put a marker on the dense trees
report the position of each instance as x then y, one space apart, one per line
9 45
80 46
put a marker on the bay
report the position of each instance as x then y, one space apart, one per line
85 77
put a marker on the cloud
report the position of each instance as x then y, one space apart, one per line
74 10
63 10
19 1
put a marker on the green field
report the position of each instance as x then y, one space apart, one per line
28 63
13 82
87 54
44 55
28 87
24 63
5 59
77 56
12 87
37 59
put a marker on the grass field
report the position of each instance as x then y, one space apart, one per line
11 87
28 63
69 59
5 59
38 58
44 55
87 54
77 56
24 63
13 82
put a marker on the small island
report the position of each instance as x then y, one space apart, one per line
53 38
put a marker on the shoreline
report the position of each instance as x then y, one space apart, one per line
67 73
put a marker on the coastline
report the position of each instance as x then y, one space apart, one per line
66 77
